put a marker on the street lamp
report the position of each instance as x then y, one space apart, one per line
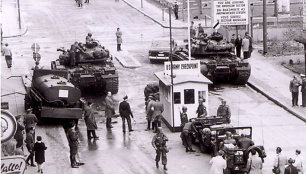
252 15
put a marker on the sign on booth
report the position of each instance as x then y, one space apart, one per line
183 67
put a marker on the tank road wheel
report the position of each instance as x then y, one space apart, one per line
242 75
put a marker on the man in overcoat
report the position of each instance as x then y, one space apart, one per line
125 113
90 121
109 109
119 39
294 89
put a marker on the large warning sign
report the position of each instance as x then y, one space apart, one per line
230 12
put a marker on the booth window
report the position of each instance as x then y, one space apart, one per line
189 96
177 97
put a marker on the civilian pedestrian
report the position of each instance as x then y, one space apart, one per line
299 162
303 90
90 122
245 47
19 133
291 169
201 110
218 164
175 10
224 111
158 109
30 145
149 112
238 44
125 113
200 30
7 53
254 164
39 150
159 144
119 39
109 109
294 89
250 44
280 160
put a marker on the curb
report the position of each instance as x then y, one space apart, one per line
144 13
291 111
17 35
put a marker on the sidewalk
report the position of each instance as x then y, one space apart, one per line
161 15
272 82
10 24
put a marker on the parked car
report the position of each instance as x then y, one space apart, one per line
160 50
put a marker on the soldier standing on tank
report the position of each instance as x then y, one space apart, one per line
200 30
294 89
184 117
119 39
72 54
224 111
201 111
175 10
109 109
159 143
303 90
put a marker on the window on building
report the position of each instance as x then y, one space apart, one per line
177 97
189 96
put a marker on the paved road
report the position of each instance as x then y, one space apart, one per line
58 24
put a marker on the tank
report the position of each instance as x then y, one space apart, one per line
91 69
51 95
218 61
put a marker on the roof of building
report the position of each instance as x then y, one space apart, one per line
179 78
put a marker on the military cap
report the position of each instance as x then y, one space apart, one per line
291 161
125 97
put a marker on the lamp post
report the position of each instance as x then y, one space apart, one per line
170 57
252 14
264 23
188 21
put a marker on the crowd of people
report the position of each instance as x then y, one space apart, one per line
25 133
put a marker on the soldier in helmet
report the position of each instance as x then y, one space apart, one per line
224 111
89 40
229 138
159 144
184 117
186 135
201 111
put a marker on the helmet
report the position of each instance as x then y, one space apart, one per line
206 130
89 34
228 134
184 108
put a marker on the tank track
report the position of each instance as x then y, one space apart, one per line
112 85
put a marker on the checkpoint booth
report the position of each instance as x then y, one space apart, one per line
189 86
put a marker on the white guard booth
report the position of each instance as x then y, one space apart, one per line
189 86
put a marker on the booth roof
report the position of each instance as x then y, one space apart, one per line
180 78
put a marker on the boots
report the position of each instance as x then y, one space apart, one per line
157 166
165 167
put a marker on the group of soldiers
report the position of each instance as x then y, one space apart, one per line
187 125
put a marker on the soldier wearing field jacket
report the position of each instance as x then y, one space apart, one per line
157 108
224 111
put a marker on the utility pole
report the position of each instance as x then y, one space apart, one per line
19 20
170 57
275 8
264 24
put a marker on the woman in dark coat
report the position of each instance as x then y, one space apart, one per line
39 150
